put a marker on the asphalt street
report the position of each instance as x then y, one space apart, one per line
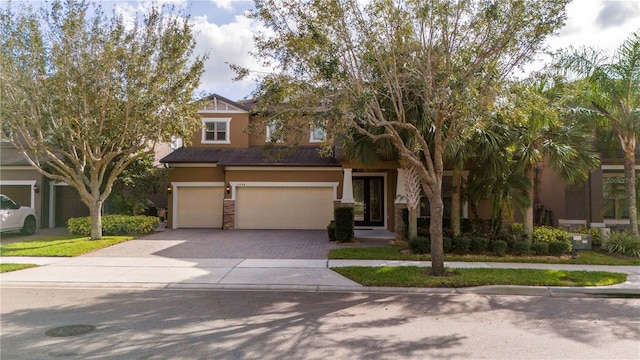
192 324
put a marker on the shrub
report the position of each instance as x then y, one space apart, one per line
447 244
558 248
517 230
594 232
344 223
420 245
623 242
540 249
479 245
519 248
499 247
461 245
549 234
331 230
115 225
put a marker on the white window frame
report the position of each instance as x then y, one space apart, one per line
312 139
206 121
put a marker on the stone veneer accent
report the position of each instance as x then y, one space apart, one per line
399 222
229 215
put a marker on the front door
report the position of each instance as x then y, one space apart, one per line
368 195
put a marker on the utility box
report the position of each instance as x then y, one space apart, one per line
581 241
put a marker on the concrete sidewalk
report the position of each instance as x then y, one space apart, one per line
271 274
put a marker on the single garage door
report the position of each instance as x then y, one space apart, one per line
284 207
200 207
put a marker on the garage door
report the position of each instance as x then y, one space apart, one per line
68 205
200 207
284 207
21 194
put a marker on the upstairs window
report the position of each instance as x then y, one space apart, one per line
215 131
317 134
272 134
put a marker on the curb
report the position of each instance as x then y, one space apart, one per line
504 290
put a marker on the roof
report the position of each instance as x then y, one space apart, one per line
253 156
243 104
10 156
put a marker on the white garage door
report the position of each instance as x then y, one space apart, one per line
284 207
200 207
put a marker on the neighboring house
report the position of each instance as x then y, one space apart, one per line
54 202
593 203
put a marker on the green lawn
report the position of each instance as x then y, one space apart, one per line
62 245
395 253
14 267
413 276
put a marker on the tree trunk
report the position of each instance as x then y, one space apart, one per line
455 200
435 230
413 222
527 220
630 188
95 212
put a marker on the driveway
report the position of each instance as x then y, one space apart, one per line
225 244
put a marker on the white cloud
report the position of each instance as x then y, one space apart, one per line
226 44
223 4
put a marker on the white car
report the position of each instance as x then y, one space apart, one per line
16 217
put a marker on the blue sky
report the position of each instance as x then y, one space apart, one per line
226 35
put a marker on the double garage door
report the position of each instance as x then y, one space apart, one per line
284 207
257 207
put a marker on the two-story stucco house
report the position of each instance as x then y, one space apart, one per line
226 179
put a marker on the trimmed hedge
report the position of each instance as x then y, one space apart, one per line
344 223
519 248
499 247
559 248
420 245
461 245
331 230
115 225
540 249
479 245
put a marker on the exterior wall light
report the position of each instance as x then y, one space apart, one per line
169 190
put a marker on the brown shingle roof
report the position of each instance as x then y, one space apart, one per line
253 156
9 156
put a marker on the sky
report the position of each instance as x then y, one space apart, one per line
226 34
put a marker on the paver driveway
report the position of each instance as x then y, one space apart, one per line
225 244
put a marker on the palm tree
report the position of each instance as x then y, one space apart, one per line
611 87
547 132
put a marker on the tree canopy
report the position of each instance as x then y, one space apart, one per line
609 91
389 68
84 94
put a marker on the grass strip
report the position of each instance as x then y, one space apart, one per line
61 245
395 253
413 276
13 267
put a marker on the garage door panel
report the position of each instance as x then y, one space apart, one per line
284 207
200 207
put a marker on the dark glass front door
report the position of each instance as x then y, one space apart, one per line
368 193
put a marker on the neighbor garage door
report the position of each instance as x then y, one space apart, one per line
200 207
284 207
